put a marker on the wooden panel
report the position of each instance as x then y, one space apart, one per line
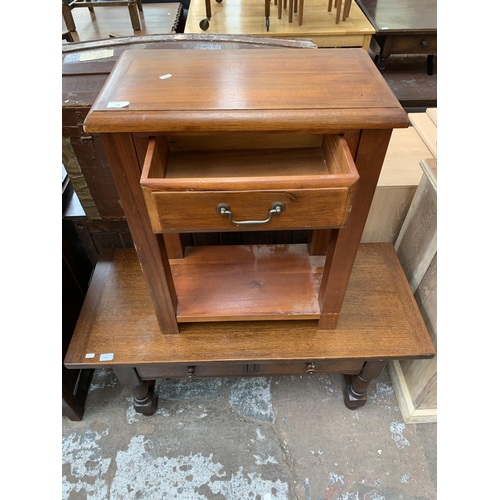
380 320
417 242
432 113
265 282
421 375
415 382
348 92
427 129
388 212
253 369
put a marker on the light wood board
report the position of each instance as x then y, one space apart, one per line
427 129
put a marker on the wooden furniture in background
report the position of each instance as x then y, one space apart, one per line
156 19
326 139
134 7
76 273
240 17
396 186
415 382
403 27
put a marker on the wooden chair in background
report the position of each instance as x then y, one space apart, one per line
297 6
134 6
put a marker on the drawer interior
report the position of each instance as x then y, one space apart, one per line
240 162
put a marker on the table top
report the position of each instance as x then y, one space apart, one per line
379 320
232 90
243 17
401 16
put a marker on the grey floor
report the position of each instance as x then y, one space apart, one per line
247 438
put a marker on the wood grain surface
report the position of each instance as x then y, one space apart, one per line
234 90
380 320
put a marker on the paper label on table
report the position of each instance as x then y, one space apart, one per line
97 54
118 104
106 357
89 355
163 77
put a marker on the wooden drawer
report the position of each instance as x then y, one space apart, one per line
274 368
413 44
184 189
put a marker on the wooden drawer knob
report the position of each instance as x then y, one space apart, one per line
190 373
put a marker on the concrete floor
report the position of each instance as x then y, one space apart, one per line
247 438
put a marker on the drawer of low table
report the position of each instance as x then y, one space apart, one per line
413 44
296 187
268 368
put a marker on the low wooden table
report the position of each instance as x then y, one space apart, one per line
403 27
118 329
155 18
238 17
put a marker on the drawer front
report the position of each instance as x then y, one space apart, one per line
250 210
414 44
191 371
185 190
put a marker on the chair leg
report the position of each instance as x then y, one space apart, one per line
68 16
134 15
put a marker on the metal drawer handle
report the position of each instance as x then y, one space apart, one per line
311 368
223 209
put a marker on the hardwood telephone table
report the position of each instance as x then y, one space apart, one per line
238 141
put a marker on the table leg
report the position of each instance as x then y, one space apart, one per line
68 16
356 388
430 64
344 243
134 15
145 398
150 247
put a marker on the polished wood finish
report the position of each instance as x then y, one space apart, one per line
380 321
316 186
351 95
259 282
318 25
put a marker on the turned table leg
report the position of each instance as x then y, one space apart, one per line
356 386
145 398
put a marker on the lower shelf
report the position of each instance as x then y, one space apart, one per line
118 327
247 282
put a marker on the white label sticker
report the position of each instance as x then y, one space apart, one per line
97 54
106 357
163 77
90 355
118 104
